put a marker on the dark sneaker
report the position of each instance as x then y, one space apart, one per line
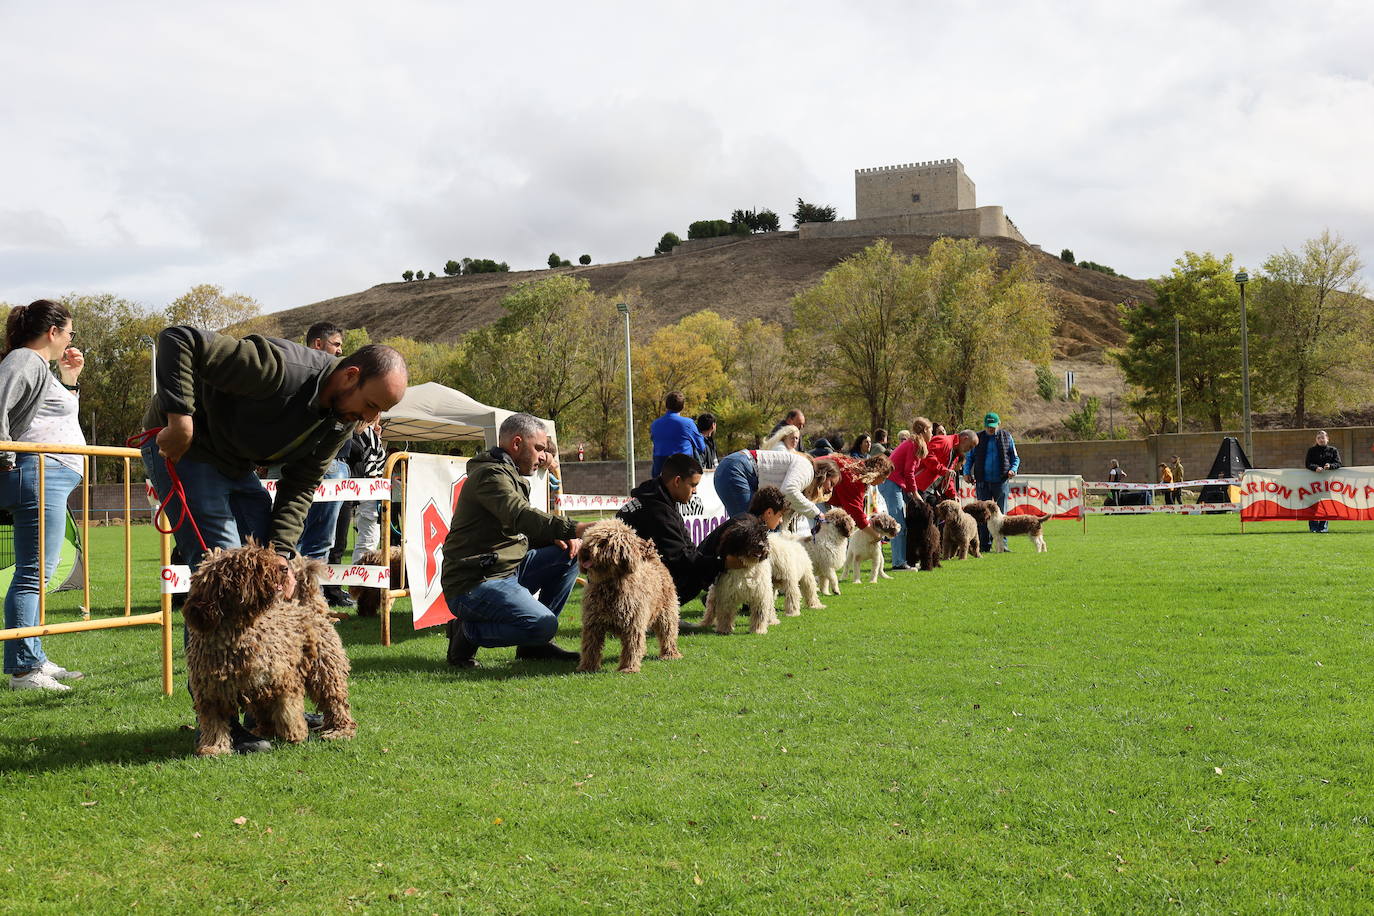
314 721
337 597
245 742
547 652
462 652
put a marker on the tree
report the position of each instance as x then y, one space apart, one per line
854 327
1083 422
431 275
1100 268
673 360
812 213
1315 325
743 222
1066 256
452 268
584 259
1044 383
208 306
407 275
419 274
972 324
666 244
355 338
1201 292
709 228
555 260
767 221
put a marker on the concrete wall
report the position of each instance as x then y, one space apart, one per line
1140 458
698 244
893 190
981 222
600 478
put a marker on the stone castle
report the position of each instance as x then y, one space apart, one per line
918 198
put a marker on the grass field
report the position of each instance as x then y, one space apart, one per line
1158 714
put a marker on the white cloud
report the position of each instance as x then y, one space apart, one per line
298 151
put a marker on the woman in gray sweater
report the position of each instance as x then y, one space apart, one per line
36 407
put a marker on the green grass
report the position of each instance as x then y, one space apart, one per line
1160 713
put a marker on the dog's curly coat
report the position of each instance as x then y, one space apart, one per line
750 587
370 599
249 646
922 537
1001 525
792 573
629 592
827 549
959 537
867 544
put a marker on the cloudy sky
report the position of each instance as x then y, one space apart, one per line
296 151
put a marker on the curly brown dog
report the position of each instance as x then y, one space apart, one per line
959 536
922 537
979 510
258 636
629 592
370 599
1001 525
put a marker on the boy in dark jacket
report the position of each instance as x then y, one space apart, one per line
500 551
1322 456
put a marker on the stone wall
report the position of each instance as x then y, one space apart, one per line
916 187
600 478
981 222
1140 458
699 244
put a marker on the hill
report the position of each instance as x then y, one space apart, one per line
753 277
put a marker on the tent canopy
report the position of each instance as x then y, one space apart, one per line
436 413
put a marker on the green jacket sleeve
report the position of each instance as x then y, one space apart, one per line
296 491
504 499
250 367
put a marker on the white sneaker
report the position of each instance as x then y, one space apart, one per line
36 680
57 672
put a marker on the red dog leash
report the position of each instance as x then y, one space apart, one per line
176 489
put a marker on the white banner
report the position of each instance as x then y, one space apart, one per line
1297 493
347 489
433 483
1052 495
701 515
177 579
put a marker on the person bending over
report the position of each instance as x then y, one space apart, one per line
501 551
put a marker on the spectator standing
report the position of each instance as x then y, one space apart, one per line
862 445
501 551
706 425
371 463
674 434
1176 469
1115 475
1166 476
793 417
991 466
905 458
1322 457
879 443
36 407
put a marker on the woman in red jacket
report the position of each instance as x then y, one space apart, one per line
856 476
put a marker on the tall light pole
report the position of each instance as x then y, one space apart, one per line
1178 376
624 309
1241 279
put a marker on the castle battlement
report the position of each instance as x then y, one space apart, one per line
911 165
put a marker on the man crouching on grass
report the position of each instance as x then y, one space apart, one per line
500 551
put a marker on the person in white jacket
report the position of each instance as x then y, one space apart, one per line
803 480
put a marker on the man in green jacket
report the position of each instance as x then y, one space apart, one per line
500 551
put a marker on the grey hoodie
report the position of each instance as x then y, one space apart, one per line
24 376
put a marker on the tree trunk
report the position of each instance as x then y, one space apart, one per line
1300 410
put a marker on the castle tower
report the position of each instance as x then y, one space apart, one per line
915 187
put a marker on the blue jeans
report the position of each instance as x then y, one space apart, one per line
19 494
504 612
317 537
896 507
997 492
229 510
736 480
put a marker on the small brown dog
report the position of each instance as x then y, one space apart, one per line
370 599
959 536
259 634
629 592
1001 525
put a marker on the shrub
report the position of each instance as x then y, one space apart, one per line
1044 382
585 259
666 244
1066 256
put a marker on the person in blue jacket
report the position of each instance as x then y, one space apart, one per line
991 465
674 434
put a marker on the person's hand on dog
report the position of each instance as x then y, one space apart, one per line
572 546
288 586
175 437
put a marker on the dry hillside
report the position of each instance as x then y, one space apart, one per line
755 277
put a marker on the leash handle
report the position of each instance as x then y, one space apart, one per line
177 489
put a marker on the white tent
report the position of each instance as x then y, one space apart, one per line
436 413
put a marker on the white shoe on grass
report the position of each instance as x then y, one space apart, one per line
57 672
36 680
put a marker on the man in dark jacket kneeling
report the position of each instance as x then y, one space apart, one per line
500 551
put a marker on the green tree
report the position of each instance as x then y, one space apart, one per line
854 329
1066 256
407 275
1201 292
1083 422
709 228
554 261
452 268
208 306
584 259
355 338
1315 325
767 221
812 213
1044 383
674 359
431 275
666 244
